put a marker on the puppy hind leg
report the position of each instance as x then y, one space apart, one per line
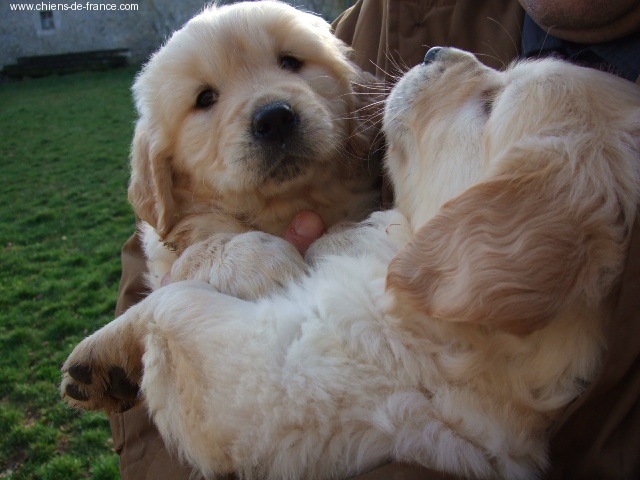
173 392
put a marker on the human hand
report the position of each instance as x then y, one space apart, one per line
305 228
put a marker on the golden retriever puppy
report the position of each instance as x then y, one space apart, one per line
249 114
451 332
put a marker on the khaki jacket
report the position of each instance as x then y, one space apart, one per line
600 436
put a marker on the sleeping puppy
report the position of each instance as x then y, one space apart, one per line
451 332
249 114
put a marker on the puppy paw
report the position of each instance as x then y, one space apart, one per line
248 265
394 225
385 231
101 374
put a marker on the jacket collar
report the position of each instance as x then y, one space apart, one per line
621 57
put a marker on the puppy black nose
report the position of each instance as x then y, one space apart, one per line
432 54
274 122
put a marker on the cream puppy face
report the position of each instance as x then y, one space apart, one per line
245 103
434 123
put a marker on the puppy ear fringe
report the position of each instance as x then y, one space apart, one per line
150 187
510 253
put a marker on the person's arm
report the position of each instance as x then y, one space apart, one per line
134 267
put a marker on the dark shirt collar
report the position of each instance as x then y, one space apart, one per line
621 57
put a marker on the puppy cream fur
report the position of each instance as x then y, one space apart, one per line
451 332
201 165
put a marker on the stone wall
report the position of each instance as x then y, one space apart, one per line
141 28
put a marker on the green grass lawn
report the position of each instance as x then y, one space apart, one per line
64 216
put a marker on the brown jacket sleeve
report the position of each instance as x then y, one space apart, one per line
134 267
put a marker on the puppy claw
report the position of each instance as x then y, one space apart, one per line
116 393
81 373
74 392
120 386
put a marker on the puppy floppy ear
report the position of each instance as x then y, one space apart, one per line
151 184
511 253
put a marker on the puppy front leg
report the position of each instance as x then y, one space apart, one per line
104 370
248 265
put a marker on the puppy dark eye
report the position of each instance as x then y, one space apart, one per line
290 63
206 98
